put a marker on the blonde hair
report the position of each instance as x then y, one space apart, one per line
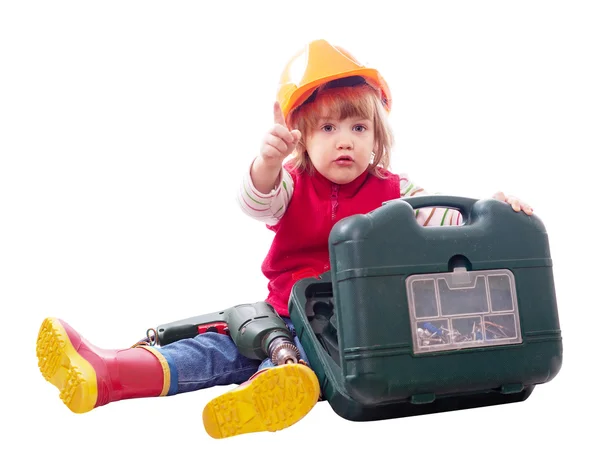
342 102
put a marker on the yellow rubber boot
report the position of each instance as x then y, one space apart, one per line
88 377
271 400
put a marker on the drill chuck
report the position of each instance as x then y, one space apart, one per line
281 351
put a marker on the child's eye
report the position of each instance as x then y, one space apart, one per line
360 128
327 128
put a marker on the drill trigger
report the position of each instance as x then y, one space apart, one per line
215 327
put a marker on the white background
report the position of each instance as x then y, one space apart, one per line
124 128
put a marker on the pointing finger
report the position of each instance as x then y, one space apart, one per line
278 114
283 133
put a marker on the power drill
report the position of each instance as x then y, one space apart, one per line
255 328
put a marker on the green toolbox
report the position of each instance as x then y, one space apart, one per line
414 320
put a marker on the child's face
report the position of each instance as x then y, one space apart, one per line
341 149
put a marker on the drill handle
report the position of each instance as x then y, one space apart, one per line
189 328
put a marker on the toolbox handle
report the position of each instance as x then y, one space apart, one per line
462 204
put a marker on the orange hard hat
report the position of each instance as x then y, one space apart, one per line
318 63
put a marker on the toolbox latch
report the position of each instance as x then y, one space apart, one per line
511 388
421 399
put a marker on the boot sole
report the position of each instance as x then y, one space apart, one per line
272 401
61 365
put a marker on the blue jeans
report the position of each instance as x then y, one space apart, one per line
212 359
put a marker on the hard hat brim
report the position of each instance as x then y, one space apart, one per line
372 77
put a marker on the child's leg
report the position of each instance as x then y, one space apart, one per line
88 376
209 359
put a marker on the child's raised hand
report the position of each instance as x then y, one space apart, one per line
279 142
517 204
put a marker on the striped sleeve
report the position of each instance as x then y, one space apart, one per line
267 208
428 217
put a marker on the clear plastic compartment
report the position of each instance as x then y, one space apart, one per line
463 309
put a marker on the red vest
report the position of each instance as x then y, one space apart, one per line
300 247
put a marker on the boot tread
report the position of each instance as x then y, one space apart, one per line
61 365
272 401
